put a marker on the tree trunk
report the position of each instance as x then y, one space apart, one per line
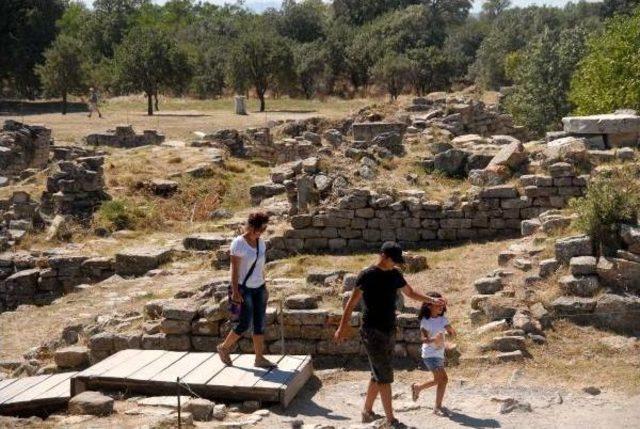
149 104
155 96
64 103
261 97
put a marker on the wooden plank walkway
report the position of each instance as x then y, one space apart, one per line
33 394
155 372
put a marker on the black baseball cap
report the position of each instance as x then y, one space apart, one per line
393 251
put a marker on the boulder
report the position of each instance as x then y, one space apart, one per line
451 162
571 305
568 149
580 286
548 267
201 409
496 307
507 344
611 123
488 285
583 265
490 176
137 261
92 403
71 357
415 263
631 236
301 302
567 248
204 241
513 155
618 312
524 320
179 310
619 274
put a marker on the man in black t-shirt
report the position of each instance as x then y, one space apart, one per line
378 286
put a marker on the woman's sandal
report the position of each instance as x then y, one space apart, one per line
224 355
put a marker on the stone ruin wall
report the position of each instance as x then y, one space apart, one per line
363 220
23 147
199 325
123 136
26 279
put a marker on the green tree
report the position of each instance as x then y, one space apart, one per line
149 60
109 22
542 75
432 70
492 8
310 65
608 78
394 71
302 21
612 7
27 28
64 70
261 58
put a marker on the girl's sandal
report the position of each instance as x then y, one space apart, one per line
414 393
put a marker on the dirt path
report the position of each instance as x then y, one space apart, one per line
338 404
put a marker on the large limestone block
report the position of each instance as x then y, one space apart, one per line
602 124
137 261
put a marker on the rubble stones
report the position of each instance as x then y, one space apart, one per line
205 241
301 302
583 265
75 188
137 261
123 136
201 409
567 248
23 147
619 274
72 357
618 312
92 403
488 285
567 306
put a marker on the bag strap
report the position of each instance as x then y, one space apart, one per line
253 266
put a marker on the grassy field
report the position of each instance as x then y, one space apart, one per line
178 118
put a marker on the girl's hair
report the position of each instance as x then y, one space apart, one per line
425 311
257 220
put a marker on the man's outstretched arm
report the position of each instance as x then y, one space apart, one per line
415 295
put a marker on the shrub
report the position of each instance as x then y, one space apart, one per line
612 198
122 214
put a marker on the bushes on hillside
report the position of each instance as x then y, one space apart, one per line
612 198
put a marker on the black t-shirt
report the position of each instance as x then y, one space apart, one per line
379 291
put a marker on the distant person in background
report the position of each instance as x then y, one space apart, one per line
93 102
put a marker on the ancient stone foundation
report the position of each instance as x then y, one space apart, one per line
363 220
124 137
27 279
23 147
75 188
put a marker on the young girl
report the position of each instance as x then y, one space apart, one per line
433 328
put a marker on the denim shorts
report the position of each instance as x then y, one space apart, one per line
252 310
433 363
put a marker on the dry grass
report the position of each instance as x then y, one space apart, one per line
180 117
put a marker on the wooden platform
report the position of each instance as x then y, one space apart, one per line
34 394
155 372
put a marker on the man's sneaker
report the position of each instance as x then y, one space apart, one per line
370 416
396 424
224 355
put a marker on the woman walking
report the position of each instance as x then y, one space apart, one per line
248 294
